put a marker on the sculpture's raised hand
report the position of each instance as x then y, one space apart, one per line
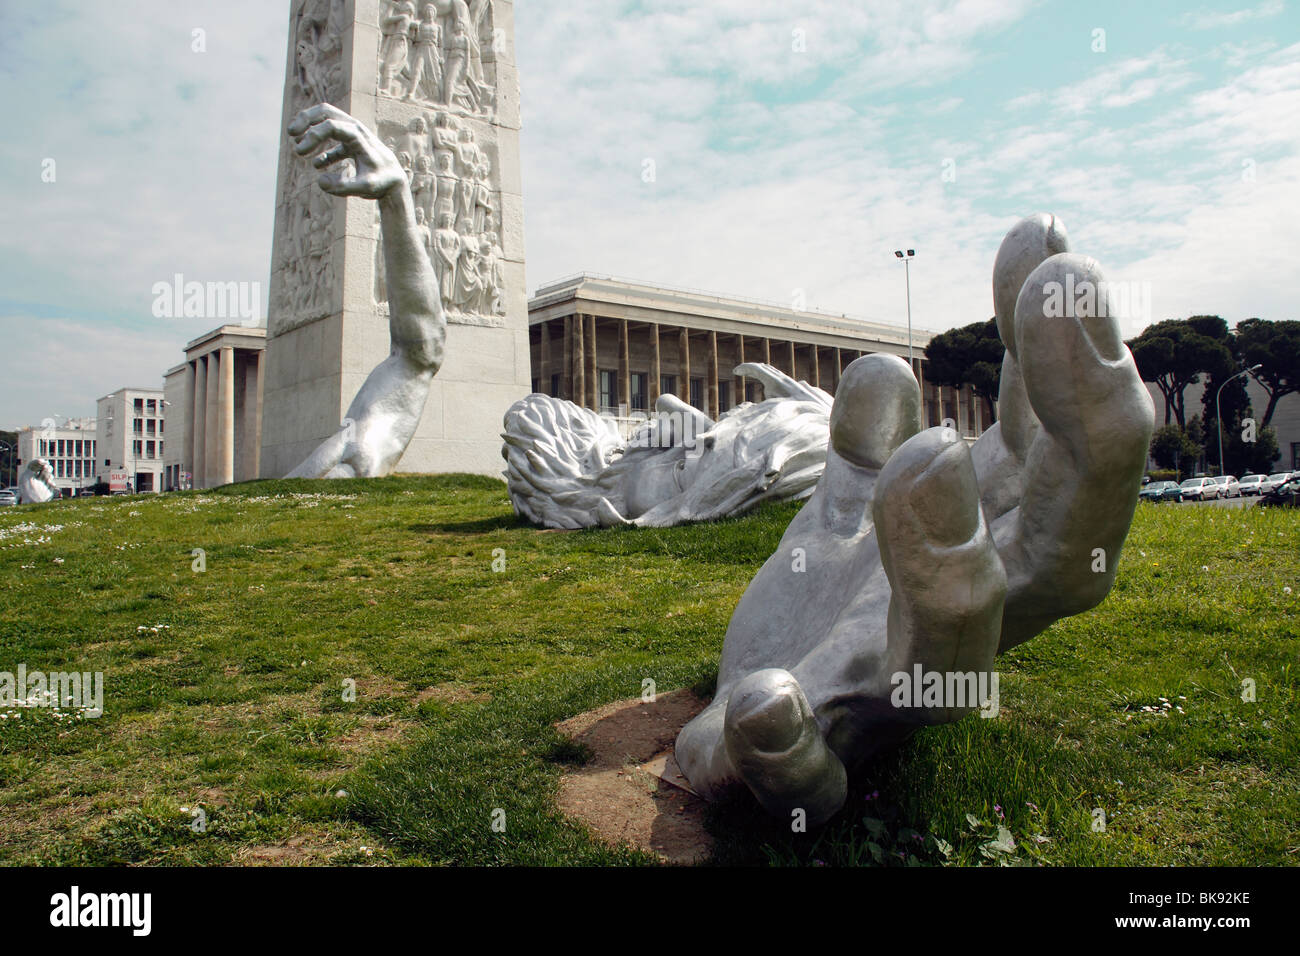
374 171
914 553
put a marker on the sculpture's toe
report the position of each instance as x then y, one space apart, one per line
776 747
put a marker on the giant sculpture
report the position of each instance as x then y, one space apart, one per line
566 467
385 413
435 82
918 556
36 483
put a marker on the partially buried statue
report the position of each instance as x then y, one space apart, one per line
36 483
386 411
917 555
566 467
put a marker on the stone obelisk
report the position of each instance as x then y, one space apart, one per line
437 80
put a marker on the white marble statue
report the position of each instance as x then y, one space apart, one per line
386 411
36 483
919 557
566 467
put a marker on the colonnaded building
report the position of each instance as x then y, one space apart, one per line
614 346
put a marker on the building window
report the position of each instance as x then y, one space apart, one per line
639 395
534 386
751 391
667 384
697 393
555 384
607 396
149 450
139 406
151 407
152 427
58 468
137 449
724 396
59 453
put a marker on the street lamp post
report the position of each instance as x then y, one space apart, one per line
907 277
1218 415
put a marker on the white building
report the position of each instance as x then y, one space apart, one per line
215 397
69 448
1286 419
131 439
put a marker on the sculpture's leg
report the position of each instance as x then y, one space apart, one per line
325 458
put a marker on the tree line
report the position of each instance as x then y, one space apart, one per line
1173 355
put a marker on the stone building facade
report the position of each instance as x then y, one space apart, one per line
614 346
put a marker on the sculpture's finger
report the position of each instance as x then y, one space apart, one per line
946 579
1029 243
777 749
331 156
1082 472
877 408
315 114
345 131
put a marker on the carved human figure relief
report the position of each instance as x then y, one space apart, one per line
450 180
434 55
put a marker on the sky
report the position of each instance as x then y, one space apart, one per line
744 147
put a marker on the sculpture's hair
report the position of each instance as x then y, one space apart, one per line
566 467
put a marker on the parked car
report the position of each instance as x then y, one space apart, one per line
1277 480
8 499
1286 495
1252 484
1199 489
1228 486
1161 491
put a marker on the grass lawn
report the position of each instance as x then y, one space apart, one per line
225 688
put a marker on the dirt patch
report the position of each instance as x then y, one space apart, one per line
631 791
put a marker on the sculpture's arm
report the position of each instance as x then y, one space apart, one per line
417 324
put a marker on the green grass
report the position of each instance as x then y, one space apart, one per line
236 705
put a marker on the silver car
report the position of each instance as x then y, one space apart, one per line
1199 489
8 499
1277 480
1252 484
1228 486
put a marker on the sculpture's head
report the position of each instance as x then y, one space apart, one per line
41 470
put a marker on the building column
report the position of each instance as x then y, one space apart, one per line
592 372
711 373
816 367
226 420
739 384
544 362
212 427
250 441
794 369
624 369
838 371
655 366
566 365
684 365
198 431
186 440
578 354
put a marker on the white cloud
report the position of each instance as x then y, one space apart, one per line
1214 20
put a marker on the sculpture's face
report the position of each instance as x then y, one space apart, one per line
660 479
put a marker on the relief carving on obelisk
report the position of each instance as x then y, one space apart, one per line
439 53
452 181
304 252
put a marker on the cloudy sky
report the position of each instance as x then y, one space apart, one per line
793 148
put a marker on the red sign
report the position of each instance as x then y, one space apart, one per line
119 481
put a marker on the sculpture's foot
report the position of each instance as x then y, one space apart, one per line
777 749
